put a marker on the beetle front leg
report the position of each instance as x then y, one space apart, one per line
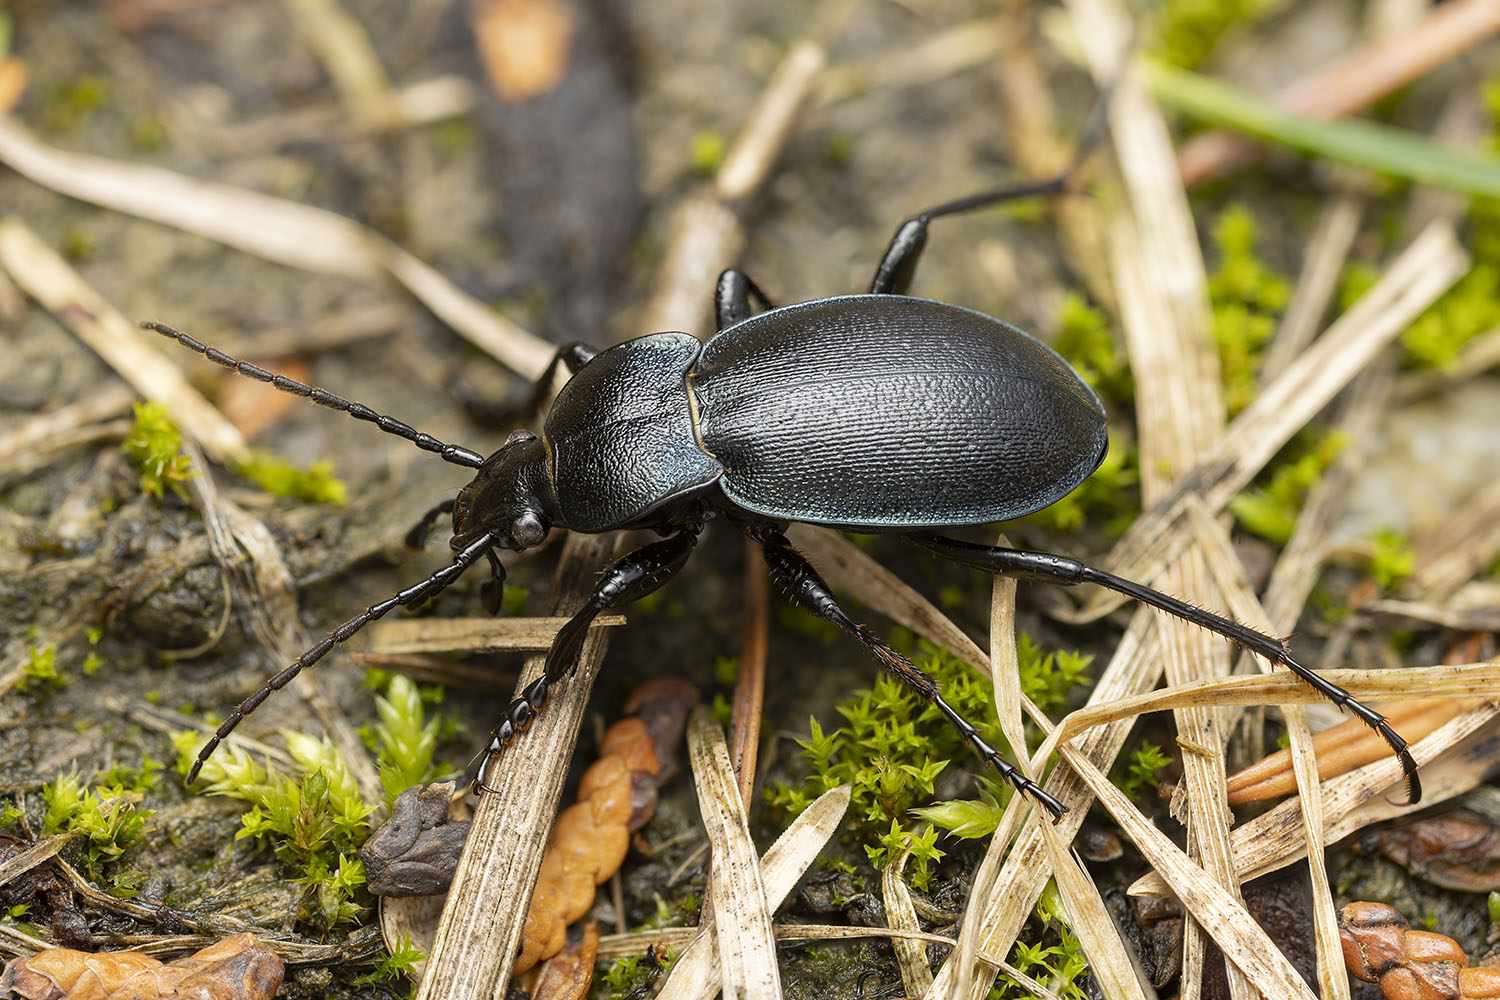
632 577
1051 568
807 590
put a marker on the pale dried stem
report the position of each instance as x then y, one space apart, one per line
1354 81
1432 262
472 635
750 681
695 975
341 45
1222 915
477 939
747 948
1317 280
251 558
35 440
1465 544
420 103
272 228
1218 551
1361 797
706 235
46 277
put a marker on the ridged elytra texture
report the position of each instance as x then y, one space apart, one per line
892 412
874 412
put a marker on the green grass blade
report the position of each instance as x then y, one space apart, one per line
1380 148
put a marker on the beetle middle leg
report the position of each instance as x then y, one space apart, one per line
807 590
505 414
631 577
1052 568
732 298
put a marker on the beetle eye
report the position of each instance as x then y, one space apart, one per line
517 436
527 530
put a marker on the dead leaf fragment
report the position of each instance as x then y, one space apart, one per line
13 79
523 45
237 968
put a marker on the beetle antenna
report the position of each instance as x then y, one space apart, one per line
359 411
417 592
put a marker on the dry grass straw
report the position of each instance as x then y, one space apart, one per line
482 922
471 635
1422 272
272 228
705 233
1344 85
695 975
1163 292
36 442
1317 281
742 915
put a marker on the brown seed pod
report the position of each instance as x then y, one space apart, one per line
616 796
1380 946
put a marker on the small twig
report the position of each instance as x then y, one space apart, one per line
750 683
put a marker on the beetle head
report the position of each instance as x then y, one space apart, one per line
511 495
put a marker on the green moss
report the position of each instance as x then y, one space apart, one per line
315 821
107 819
277 476
893 746
154 447
1087 339
73 103
1471 307
400 962
1188 30
1247 299
1391 558
40 669
707 152
1056 961
403 738
1140 772
1271 511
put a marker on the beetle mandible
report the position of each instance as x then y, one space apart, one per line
880 412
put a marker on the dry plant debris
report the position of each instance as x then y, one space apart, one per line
616 796
236 968
1381 947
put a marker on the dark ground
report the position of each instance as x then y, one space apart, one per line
555 212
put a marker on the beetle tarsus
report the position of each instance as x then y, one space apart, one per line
1060 569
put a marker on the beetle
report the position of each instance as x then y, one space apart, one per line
879 412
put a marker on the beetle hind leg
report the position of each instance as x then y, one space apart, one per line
1051 568
795 575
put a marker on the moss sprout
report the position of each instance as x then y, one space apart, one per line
277 476
154 446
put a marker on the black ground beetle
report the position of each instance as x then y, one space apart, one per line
871 413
